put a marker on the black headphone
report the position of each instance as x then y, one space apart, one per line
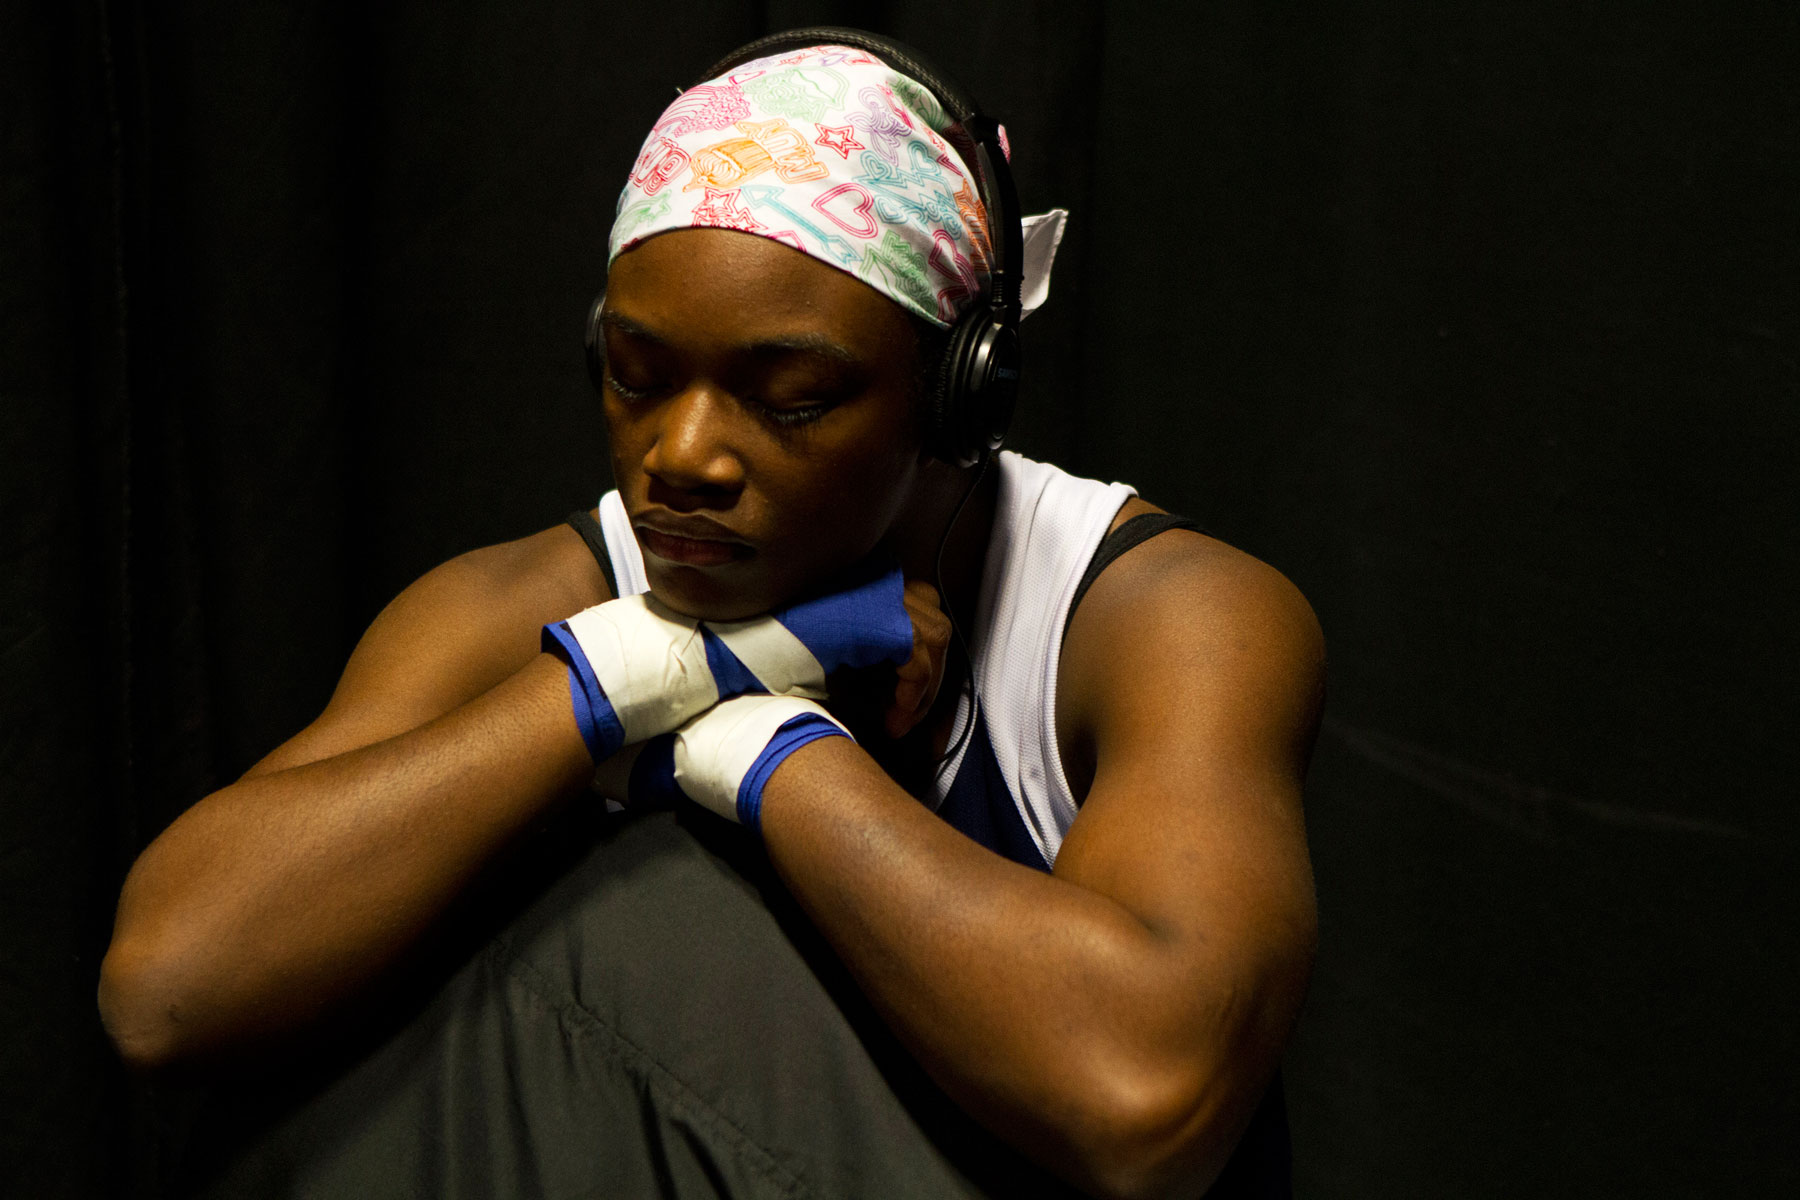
978 378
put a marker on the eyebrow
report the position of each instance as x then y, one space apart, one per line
798 343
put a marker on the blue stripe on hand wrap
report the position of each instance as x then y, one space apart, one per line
728 670
653 774
857 628
807 727
594 715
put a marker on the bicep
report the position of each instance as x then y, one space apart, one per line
455 633
1194 675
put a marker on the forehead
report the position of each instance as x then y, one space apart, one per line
722 284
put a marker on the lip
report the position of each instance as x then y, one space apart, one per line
690 541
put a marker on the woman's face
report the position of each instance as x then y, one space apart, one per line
765 435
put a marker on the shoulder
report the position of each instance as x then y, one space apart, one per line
1185 631
495 588
1204 586
455 632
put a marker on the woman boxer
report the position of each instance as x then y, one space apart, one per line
1076 890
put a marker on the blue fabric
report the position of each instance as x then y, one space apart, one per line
728 670
860 627
652 780
807 727
584 714
981 805
594 715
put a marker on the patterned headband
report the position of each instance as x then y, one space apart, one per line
833 152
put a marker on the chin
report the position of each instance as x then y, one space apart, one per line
706 595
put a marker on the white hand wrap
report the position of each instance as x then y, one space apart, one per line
649 661
724 757
638 669
771 652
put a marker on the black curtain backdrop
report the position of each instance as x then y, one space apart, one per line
1478 320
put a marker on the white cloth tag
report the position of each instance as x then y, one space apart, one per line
1043 234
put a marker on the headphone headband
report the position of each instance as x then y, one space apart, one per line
958 103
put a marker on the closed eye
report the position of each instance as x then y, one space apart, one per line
790 417
625 390
781 416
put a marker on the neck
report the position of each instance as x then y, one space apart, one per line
929 525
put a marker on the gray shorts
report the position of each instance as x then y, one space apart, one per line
634 1008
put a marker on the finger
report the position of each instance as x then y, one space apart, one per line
918 680
908 709
912 686
930 623
916 686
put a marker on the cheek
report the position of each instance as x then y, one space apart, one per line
626 443
851 498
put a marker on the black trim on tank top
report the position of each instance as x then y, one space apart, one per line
1128 536
582 521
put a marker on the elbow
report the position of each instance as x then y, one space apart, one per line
143 1036
1155 1134
142 1008
159 978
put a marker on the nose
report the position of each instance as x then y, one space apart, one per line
690 450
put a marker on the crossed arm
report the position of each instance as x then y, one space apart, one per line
1118 1018
1121 1017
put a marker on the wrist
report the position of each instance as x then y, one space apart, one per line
724 758
545 686
830 782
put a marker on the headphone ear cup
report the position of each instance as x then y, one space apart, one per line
978 384
596 348
999 374
944 437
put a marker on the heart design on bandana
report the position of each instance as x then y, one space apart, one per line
865 228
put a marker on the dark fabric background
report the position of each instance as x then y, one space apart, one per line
1478 320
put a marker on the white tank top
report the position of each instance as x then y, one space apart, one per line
1047 525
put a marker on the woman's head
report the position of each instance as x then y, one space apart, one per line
793 242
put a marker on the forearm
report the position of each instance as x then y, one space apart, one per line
1059 1018
275 897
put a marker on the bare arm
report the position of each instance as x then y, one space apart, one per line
275 898
1120 1018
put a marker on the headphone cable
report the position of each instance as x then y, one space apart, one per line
956 626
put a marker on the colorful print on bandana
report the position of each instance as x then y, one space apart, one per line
832 152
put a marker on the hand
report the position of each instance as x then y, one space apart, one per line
638 669
793 650
922 674
722 758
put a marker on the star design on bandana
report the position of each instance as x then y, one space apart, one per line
841 138
722 209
